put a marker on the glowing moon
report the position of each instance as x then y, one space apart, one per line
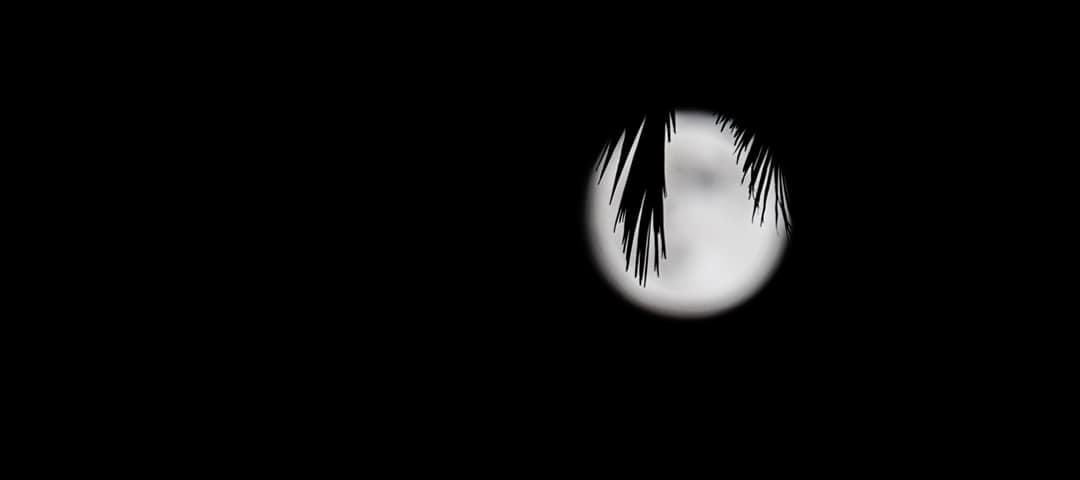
717 257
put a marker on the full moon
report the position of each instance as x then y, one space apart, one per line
717 257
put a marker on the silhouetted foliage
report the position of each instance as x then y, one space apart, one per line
641 208
764 170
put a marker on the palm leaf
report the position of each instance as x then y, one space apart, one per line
758 160
641 208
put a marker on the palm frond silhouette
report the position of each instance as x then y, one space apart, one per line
641 208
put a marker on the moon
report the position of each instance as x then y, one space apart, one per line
717 257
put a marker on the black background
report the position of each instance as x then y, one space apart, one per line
397 244
379 236
438 236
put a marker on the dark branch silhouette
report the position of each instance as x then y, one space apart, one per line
764 171
641 208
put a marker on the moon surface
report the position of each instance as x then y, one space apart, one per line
717 257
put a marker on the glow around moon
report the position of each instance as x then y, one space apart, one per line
717 258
